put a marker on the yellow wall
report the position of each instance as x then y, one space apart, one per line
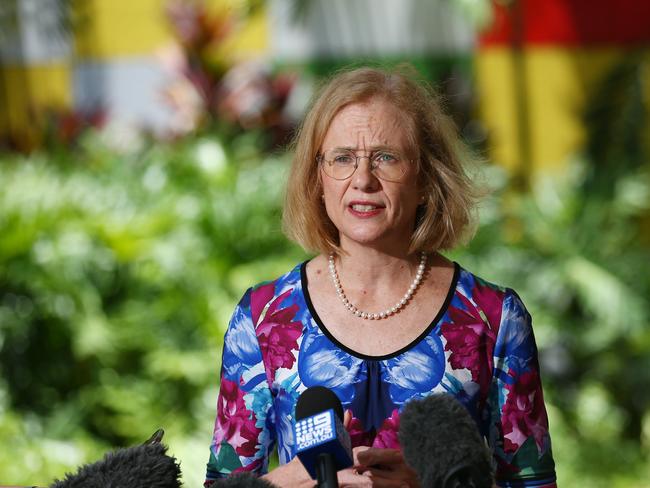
109 30
29 90
559 82
119 27
115 28
251 41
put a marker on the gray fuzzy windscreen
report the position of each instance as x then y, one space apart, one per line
145 466
441 442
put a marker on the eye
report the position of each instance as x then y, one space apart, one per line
343 159
384 157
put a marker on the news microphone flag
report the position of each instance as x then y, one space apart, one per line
322 433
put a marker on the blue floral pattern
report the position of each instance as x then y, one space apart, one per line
480 348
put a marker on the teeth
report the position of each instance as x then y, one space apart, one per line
363 208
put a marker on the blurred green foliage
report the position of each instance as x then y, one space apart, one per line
118 273
579 264
119 270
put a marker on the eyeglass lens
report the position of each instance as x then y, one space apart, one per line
387 165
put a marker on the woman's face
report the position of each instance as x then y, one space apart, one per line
365 209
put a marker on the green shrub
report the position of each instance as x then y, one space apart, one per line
117 277
119 271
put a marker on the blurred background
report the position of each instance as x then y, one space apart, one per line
142 159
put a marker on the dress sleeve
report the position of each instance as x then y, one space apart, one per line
243 434
519 434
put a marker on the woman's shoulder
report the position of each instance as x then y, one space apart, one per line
488 297
289 278
473 285
468 281
264 292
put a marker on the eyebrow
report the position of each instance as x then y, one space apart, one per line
370 149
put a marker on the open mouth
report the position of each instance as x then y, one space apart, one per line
364 208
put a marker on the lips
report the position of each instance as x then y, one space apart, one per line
365 209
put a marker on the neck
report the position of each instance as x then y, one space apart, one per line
364 266
375 251
382 280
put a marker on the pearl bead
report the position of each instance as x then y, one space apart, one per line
386 313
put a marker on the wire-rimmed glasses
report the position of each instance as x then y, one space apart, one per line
386 164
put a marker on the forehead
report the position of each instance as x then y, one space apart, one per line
373 123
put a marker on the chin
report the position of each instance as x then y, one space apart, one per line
374 234
370 239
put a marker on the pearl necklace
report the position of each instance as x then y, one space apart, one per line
389 311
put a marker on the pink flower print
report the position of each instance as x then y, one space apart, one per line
490 302
278 336
260 297
471 342
235 422
358 436
524 414
251 467
387 434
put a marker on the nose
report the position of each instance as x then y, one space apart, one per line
363 178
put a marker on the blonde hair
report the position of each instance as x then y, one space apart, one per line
447 212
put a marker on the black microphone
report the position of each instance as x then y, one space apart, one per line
145 466
322 443
441 442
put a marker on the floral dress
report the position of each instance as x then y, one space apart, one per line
479 348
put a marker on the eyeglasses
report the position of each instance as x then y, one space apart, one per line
385 164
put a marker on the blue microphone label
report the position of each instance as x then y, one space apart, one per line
315 430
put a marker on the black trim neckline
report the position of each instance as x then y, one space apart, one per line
426 332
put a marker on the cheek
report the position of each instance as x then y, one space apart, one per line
332 190
408 203
330 200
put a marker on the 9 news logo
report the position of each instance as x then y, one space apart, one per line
314 430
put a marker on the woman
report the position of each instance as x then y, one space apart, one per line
377 189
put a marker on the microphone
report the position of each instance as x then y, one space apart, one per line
441 442
144 466
322 443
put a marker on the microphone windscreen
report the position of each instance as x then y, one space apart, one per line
242 480
441 442
317 399
145 466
